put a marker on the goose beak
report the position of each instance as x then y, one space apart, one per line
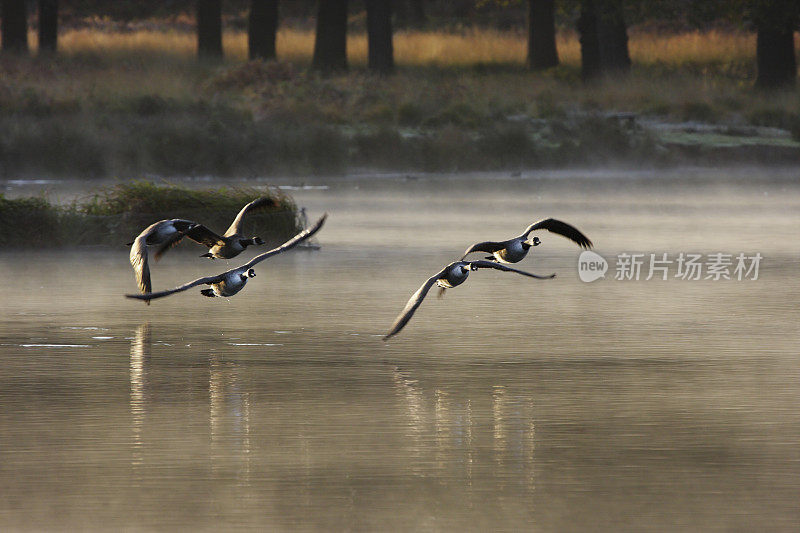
533 242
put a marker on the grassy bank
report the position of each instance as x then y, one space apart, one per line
116 215
123 104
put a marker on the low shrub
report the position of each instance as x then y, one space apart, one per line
117 214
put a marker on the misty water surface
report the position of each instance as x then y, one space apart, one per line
511 404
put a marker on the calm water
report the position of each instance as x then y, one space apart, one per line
511 404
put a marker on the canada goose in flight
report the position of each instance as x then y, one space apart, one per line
164 233
450 276
230 282
514 250
232 243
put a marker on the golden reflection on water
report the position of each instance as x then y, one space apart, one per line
140 353
229 419
465 443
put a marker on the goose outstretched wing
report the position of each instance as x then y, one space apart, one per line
200 281
506 268
172 241
291 243
259 203
138 258
202 235
562 228
488 247
412 304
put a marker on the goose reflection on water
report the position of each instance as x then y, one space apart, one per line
228 408
229 418
140 355
454 420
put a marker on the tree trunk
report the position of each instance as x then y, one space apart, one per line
590 42
613 37
542 51
209 28
777 66
775 22
48 26
330 44
261 28
14 26
379 36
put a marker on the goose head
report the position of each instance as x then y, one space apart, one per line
534 241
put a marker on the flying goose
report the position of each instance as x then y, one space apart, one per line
450 276
232 243
231 282
514 250
164 234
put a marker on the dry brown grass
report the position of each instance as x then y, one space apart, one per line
426 48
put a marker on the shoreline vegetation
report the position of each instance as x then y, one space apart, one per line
131 103
115 215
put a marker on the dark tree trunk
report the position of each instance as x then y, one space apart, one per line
775 22
261 28
330 44
590 42
379 36
14 26
777 66
48 26
612 34
542 51
209 28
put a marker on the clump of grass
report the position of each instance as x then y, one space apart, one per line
700 111
253 73
148 197
117 214
777 118
28 221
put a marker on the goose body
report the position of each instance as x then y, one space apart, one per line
453 275
232 243
514 250
450 276
232 281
